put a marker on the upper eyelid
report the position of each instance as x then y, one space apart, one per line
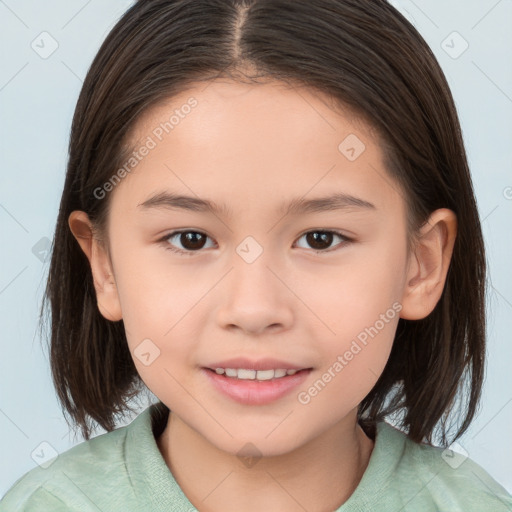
325 230
311 230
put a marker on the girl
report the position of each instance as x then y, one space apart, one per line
268 221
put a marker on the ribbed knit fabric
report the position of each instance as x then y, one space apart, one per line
124 471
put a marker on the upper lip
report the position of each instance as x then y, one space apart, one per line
255 364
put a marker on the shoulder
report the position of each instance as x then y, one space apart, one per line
71 480
448 479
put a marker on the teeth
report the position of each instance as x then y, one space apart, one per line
263 374
246 374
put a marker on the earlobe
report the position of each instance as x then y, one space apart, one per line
428 265
101 266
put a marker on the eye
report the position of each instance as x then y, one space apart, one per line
194 241
319 239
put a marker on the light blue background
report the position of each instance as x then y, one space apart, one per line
37 99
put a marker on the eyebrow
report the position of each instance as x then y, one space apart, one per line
337 201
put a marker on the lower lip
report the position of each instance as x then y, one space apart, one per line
252 392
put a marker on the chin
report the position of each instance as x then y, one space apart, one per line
254 445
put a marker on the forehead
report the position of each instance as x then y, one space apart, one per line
250 110
219 138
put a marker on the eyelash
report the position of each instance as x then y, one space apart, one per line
169 247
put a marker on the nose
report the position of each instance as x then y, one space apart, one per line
255 298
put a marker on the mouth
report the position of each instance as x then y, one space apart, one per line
250 384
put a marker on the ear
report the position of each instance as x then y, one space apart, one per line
101 266
428 265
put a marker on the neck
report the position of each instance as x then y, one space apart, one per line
317 476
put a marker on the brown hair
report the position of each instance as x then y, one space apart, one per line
372 61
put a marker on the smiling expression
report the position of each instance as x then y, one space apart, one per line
293 242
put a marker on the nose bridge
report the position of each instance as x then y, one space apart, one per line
255 298
252 277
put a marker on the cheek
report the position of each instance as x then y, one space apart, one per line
352 362
354 295
360 304
160 334
154 294
164 314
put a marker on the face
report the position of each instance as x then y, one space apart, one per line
317 288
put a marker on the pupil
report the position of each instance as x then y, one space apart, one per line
315 236
190 240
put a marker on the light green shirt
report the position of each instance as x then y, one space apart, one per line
124 471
